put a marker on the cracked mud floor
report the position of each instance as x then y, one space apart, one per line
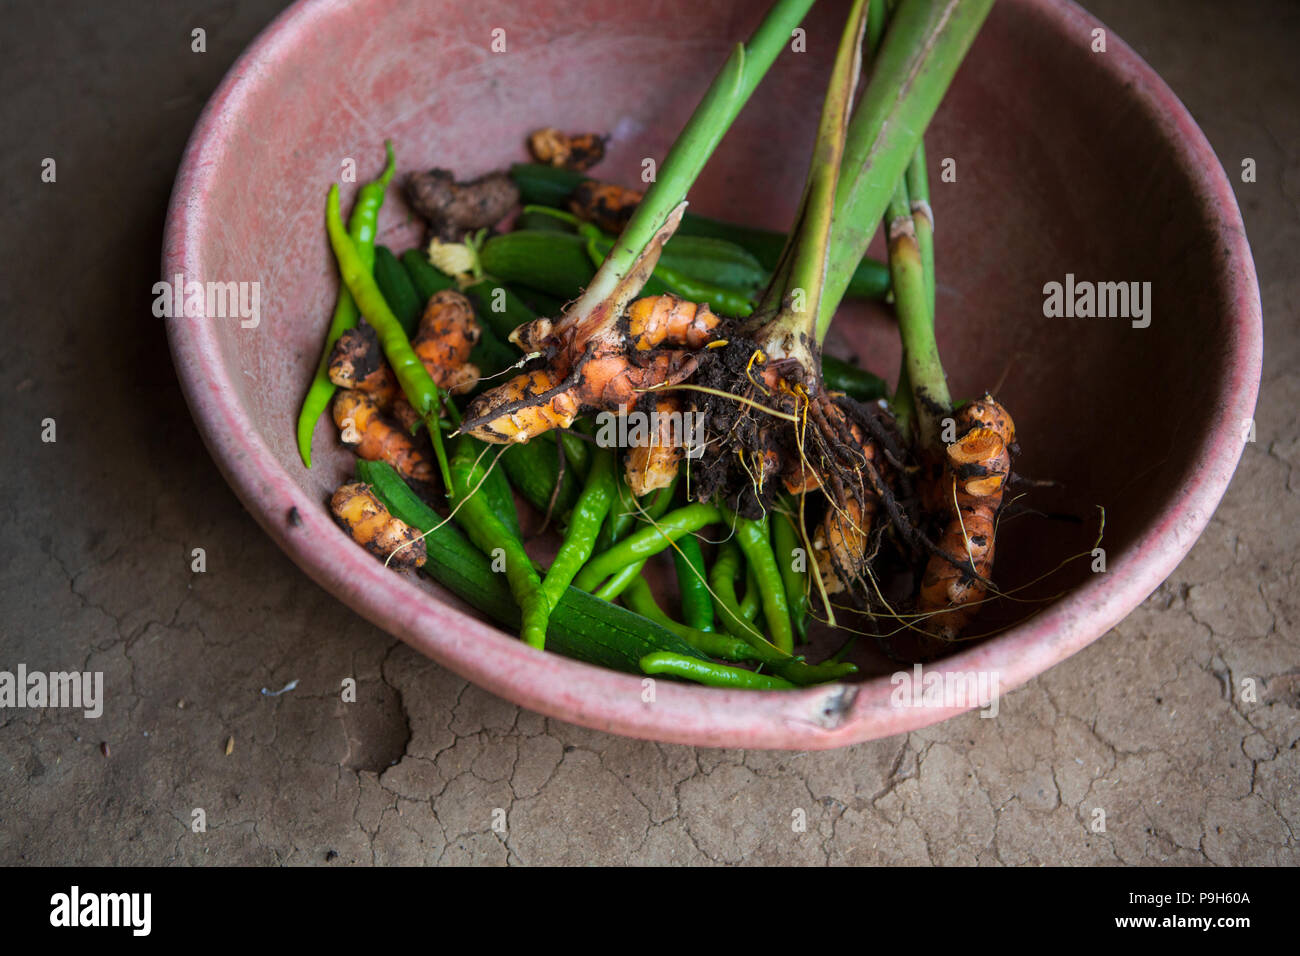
97 531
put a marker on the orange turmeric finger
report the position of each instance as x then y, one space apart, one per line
357 362
523 408
656 319
975 475
554 148
447 334
364 428
652 463
840 543
364 517
604 204
535 402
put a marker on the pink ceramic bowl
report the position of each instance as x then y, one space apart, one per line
1067 162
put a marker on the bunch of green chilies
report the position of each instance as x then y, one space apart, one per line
863 169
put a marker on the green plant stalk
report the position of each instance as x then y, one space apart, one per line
362 226
929 388
918 190
921 51
801 285
728 93
918 194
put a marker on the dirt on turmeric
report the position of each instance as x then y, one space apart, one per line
375 438
447 333
556 148
363 516
975 475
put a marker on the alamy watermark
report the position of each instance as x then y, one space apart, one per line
1101 300
922 688
637 429
129 910
208 300
84 690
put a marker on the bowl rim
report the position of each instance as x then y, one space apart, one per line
815 718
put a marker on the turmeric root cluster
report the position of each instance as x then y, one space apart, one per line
372 415
654 345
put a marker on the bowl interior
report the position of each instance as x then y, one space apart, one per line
1058 166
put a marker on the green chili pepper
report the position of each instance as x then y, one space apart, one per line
647 542
639 598
362 225
706 672
495 487
785 543
581 626
399 292
692 586
755 541
620 579
541 220
621 516
588 515
418 387
476 515
841 376
577 451
751 605
802 673
722 577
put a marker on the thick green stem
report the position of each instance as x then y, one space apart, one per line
929 387
918 194
729 92
791 332
925 43
918 191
